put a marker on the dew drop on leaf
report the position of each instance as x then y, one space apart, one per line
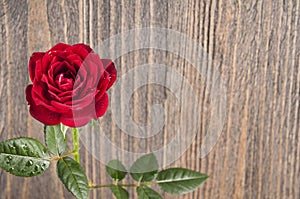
25 147
29 163
12 148
8 159
37 168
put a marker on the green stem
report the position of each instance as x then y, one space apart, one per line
122 185
76 144
62 156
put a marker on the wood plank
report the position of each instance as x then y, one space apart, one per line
15 25
4 180
252 45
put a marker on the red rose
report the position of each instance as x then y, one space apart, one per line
69 85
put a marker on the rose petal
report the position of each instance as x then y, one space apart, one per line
37 95
62 107
62 99
44 115
94 67
80 84
40 89
86 47
48 81
39 100
70 69
75 61
71 121
101 105
52 58
41 113
28 94
60 47
46 62
80 102
87 77
93 75
56 69
81 50
32 63
75 104
111 69
38 70
59 55
65 94
54 89
103 83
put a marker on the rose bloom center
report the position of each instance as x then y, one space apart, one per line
64 81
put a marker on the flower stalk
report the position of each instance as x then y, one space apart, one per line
62 156
76 144
123 185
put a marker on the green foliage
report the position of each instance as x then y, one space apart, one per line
25 157
119 192
145 171
179 180
73 177
55 139
147 193
145 168
116 170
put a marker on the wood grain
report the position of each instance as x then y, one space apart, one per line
253 45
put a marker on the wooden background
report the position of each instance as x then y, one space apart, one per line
256 45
